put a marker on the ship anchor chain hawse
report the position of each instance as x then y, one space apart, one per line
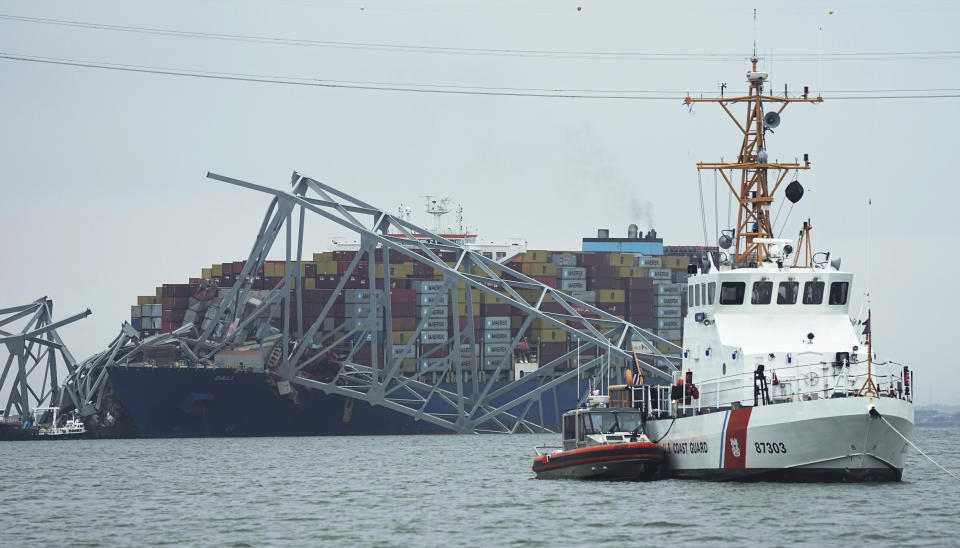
777 382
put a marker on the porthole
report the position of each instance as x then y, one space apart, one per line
724 368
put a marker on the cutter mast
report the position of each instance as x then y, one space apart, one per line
754 195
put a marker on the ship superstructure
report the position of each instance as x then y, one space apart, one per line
777 382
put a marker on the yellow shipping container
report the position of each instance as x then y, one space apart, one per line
492 299
145 300
310 283
620 259
538 256
206 273
409 366
539 269
630 272
326 267
217 270
675 261
550 335
610 295
324 257
402 337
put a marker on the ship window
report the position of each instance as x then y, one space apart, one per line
787 293
732 292
838 292
690 295
703 293
696 295
712 291
569 427
813 293
762 291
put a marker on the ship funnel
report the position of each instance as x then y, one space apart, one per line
771 119
632 231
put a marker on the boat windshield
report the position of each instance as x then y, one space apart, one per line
609 422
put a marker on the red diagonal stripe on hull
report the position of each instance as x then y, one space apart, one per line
735 441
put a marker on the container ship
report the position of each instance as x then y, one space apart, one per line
360 314
634 278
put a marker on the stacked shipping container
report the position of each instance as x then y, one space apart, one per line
647 291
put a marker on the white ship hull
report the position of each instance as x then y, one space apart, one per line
818 440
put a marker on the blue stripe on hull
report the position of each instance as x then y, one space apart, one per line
182 402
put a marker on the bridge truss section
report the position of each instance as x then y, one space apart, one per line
462 389
35 354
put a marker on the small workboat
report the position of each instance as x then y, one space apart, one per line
601 443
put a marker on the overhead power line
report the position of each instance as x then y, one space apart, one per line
560 54
403 87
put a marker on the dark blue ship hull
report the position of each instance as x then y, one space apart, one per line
199 402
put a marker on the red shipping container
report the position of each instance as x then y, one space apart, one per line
403 296
403 309
404 324
594 284
464 321
343 255
169 326
227 268
547 281
434 350
591 259
495 309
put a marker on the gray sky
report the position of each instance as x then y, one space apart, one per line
104 195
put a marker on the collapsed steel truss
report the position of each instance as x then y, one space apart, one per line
36 345
456 393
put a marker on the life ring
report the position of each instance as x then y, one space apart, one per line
811 377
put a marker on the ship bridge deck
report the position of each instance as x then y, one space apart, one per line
760 333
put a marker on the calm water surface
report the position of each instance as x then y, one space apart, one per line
435 490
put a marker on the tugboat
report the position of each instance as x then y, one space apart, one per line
777 381
72 429
601 443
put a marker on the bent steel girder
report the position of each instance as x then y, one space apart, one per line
450 387
87 385
36 345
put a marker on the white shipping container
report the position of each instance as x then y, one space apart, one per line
669 323
497 335
361 296
649 262
670 334
424 286
403 351
573 285
364 323
135 311
433 337
155 323
573 273
668 300
434 312
585 296
496 349
357 310
433 364
659 273
491 364
668 288
433 298
496 322
564 259
433 324
666 312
